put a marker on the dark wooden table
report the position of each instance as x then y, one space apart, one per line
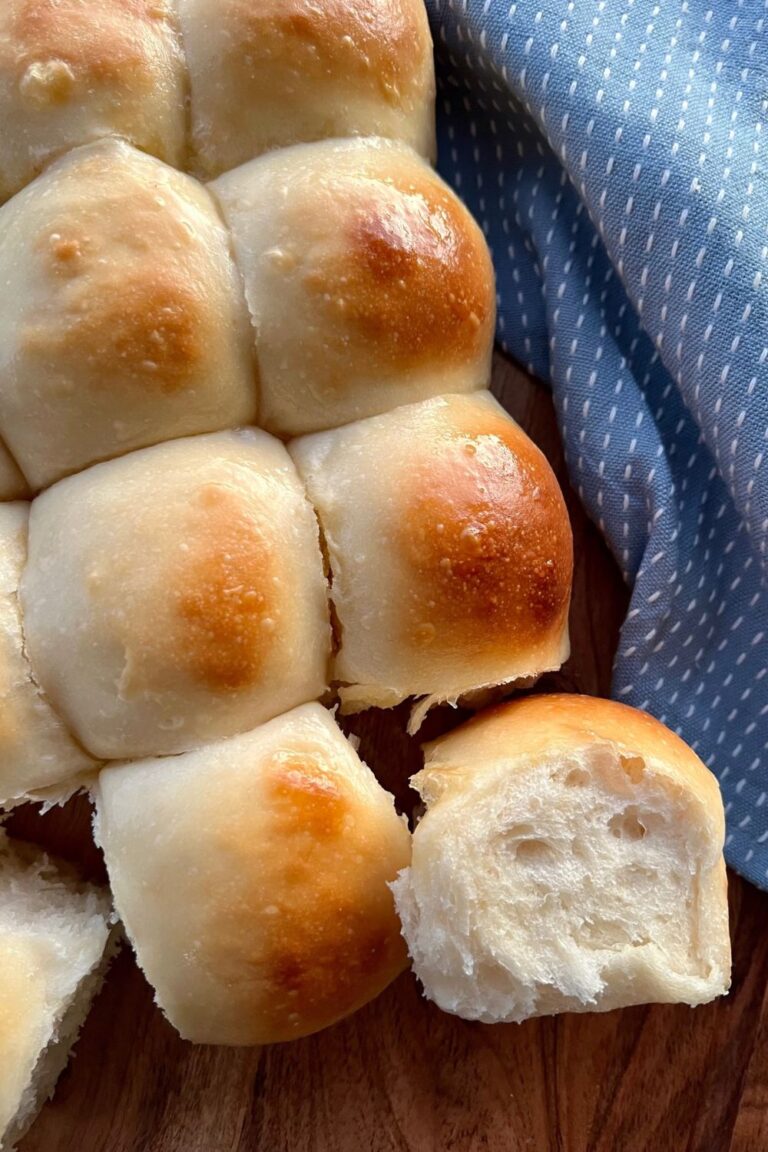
401 1076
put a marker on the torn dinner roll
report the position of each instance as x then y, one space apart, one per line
369 283
122 318
271 73
570 860
177 595
38 756
73 71
56 940
450 550
251 876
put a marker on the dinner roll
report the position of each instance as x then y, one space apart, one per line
570 860
72 71
13 486
267 73
122 321
38 757
369 283
56 940
450 548
177 595
251 877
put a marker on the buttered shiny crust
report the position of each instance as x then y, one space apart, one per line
72 71
124 322
177 595
482 533
450 548
272 73
252 878
369 283
37 753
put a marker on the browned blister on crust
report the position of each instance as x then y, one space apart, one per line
74 71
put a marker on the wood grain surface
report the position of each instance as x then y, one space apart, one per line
401 1076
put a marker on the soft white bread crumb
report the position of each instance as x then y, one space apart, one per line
56 940
570 860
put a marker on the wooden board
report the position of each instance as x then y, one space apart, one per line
401 1076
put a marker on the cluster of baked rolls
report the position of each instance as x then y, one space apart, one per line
251 466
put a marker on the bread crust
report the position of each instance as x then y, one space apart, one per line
126 323
522 730
282 72
450 549
188 603
369 283
72 71
252 878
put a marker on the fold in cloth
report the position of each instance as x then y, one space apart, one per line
615 155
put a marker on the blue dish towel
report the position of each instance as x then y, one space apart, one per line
616 156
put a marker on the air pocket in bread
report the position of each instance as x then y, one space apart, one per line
570 860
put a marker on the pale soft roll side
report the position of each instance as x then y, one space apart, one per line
73 71
177 595
56 940
269 73
252 876
368 281
450 550
570 860
122 318
38 756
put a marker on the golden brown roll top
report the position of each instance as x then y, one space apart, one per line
177 595
38 757
252 877
369 283
122 321
125 323
450 550
265 74
73 71
527 730
209 83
